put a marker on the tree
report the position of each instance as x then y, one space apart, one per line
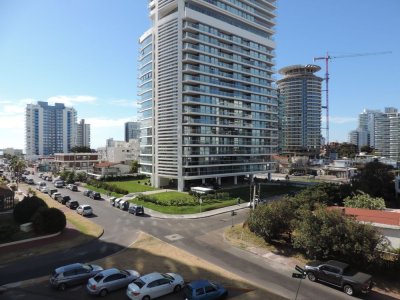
325 234
134 166
367 149
376 179
347 150
25 209
48 220
363 200
272 221
81 149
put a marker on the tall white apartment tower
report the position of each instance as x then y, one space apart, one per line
208 106
49 129
83 134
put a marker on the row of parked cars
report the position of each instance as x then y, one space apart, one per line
124 204
153 285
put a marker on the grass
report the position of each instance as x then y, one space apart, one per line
267 190
133 186
169 209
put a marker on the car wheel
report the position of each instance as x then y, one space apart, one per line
103 293
177 288
348 289
146 298
62 286
311 276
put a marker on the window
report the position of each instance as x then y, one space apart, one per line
152 284
114 277
200 292
163 281
69 273
210 289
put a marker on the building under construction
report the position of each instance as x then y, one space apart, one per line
300 110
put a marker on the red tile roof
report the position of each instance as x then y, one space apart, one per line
105 164
374 216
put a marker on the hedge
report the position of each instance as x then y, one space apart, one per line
48 221
25 209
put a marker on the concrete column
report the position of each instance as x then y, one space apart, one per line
219 180
269 176
203 180
235 180
181 184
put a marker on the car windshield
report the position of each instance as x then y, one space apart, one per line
67 198
87 208
125 272
139 282
167 276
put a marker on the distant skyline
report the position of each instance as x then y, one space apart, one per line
84 54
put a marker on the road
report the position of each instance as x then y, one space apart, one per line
201 237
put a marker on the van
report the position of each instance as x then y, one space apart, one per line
40 184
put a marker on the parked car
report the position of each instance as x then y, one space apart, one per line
95 196
73 274
87 193
112 199
72 204
40 175
49 178
110 280
58 197
52 191
154 285
44 190
136 209
30 181
64 199
84 210
40 184
72 187
59 184
339 274
121 204
55 195
116 202
204 290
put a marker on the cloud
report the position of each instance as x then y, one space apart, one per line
105 123
340 120
126 102
12 122
71 100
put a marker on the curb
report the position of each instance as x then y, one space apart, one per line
30 240
191 216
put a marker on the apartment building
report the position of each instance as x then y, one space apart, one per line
49 129
208 105
300 97
83 134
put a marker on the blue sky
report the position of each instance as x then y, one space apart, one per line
84 52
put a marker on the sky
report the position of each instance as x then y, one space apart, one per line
84 53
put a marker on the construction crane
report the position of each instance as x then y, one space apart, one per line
327 58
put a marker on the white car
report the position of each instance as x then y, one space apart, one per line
154 285
55 195
84 210
44 189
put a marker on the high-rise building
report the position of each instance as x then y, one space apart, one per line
381 129
300 91
208 104
49 129
83 134
132 131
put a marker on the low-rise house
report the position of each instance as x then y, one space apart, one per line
105 169
75 161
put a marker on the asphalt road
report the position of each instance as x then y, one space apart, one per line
201 237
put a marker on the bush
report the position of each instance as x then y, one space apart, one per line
363 200
25 209
6 232
48 221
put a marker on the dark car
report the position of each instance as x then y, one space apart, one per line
135 209
204 290
339 274
95 195
64 199
73 274
87 193
72 204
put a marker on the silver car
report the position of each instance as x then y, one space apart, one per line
110 280
73 274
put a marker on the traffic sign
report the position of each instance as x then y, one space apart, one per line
301 270
297 275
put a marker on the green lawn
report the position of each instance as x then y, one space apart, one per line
133 186
266 191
